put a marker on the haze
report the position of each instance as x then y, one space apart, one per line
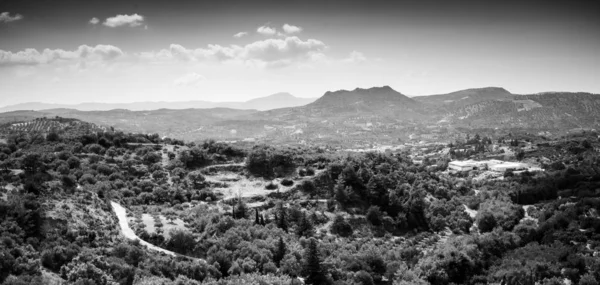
128 51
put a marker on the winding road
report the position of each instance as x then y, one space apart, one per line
129 233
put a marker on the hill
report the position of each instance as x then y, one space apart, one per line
358 117
278 100
548 111
466 97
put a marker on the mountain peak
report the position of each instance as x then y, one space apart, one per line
376 88
374 97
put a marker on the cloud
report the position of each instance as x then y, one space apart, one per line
34 57
266 30
189 79
355 57
266 53
94 21
6 17
122 20
240 34
290 29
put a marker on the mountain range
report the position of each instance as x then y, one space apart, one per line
351 117
274 101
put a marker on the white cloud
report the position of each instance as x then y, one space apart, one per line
290 29
266 30
266 53
94 21
32 56
240 34
122 20
189 79
355 57
6 17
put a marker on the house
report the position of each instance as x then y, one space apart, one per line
461 165
467 165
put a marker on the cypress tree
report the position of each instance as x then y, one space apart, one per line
281 218
256 217
312 264
279 252
305 227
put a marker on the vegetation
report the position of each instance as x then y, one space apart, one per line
329 218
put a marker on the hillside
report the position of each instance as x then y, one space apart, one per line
550 111
466 97
85 206
357 117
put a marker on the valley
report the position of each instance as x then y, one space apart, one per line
89 202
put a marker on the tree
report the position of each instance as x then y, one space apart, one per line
374 215
111 152
279 251
341 227
181 241
241 209
520 155
197 179
52 136
312 264
281 217
305 227
588 279
341 195
309 187
31 162
256 217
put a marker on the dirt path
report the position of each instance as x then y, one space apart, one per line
129 233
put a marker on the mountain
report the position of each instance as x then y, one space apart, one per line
275 101
375 103
366 100
357 117
466 97
278 100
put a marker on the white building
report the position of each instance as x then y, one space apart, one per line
462 165
512 166
467 165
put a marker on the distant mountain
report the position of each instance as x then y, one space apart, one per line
275 101
376 102
278 100
372 99
354 117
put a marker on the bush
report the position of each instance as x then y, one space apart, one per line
271 186
374 216
341 227
309 187
181 241
268 162
54 258
287 182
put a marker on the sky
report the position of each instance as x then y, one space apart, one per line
72 51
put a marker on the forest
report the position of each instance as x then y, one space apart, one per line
259 214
